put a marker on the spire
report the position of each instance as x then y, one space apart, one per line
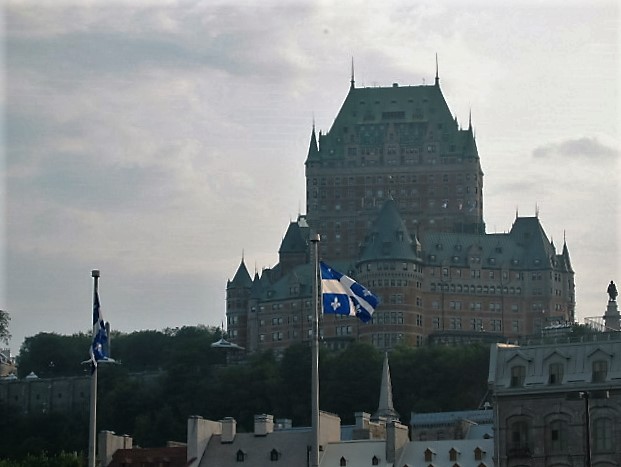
437 74
313 147
242 277
386 408
566 254
353 81
470 120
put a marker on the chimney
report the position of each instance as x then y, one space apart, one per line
263 424
109 443
229 429
199 434
362 420
396 438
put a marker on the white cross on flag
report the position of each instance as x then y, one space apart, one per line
342 295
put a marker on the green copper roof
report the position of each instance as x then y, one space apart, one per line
295 238
389 237
525 247
417 114
242 277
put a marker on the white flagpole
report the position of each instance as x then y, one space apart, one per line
92 433
315 351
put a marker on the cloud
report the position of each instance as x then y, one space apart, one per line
582 148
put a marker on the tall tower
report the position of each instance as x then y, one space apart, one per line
400 142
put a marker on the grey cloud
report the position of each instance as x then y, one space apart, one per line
85 183
239 41
588 148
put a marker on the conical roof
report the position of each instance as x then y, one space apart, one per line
294 241
389 237
313 150
242 277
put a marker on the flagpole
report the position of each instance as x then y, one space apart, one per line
92 433
315 351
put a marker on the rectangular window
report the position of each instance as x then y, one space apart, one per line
600 371
518 374
555 373
602 435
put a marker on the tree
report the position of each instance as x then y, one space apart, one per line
4 326
51 355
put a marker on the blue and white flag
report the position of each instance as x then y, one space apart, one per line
99 346
342 295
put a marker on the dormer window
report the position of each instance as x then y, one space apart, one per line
274 455
241 456
555 373
600 371
343 462
453 453
375 460
428 455
518 374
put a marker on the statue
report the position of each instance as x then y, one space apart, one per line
612 291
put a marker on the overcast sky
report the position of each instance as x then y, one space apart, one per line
159 141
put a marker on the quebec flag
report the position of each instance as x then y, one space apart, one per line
99 346
342 295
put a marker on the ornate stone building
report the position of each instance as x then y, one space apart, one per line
395 189
558 404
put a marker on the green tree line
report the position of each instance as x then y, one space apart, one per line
191 378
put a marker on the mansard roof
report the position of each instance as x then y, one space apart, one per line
241 278
525 247
389 237
298 283
417 113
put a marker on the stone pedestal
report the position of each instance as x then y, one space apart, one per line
612 317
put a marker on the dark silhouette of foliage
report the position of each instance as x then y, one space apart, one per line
51 355
165 377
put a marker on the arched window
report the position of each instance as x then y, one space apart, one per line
602 434
519 441
557 436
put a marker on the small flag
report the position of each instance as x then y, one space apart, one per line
342 295
99 346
